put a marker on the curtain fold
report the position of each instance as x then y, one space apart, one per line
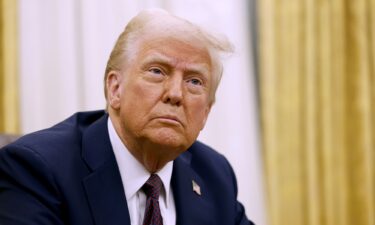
9 103
317 85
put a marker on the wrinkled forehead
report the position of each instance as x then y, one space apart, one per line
176 55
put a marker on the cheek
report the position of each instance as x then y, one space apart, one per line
198 112
138 100
147 90
139 93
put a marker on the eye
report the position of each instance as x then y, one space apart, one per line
195 81
156 71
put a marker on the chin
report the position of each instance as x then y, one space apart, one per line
170 140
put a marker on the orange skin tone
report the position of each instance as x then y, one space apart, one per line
160 100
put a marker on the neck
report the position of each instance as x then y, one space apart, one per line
152 157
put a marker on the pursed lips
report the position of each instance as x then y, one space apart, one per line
169 118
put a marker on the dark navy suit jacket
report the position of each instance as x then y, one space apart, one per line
68 174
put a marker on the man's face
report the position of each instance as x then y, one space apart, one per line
164 93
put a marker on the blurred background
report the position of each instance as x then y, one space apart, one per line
295 111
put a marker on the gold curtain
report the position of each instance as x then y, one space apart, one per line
317 87
9 115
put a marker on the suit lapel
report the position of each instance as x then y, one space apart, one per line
103 186
106 195
191 207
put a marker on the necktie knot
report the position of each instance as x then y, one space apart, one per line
153 186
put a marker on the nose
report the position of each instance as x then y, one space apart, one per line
173 90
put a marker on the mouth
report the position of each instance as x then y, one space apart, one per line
170 119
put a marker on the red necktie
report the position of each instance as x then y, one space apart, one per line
152 190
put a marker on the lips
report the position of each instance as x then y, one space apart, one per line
169 118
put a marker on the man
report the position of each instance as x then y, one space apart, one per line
139 162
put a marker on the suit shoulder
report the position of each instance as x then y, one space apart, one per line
66 134
205 156
201 150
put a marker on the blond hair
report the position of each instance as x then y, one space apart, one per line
156 19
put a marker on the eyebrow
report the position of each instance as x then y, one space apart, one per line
200 68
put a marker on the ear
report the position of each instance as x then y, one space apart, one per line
113 83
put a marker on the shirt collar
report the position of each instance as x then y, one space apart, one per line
133 173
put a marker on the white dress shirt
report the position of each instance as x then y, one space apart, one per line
134 175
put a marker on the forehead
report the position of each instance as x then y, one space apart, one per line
173 50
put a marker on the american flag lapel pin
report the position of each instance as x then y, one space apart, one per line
196 188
